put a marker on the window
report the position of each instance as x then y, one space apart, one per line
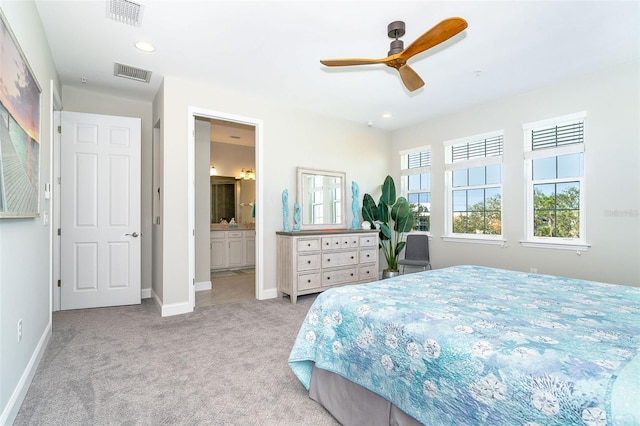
474 186
415 170
554 160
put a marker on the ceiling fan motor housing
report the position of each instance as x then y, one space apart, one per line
395 30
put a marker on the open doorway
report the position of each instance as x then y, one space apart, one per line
225 259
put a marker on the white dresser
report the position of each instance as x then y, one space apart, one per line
312 261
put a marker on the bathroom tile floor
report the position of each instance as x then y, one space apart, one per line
228 287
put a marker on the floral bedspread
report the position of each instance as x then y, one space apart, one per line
470 345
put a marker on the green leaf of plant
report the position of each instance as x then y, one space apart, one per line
399 247
402 215
369 209
388 191
384 230
383 212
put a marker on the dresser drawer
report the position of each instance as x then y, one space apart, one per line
339 276
333 243
353 241
235 234
308 244
368 273
308 281
341 258
307 262
368 255
369 241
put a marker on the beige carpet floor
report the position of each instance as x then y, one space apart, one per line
223 365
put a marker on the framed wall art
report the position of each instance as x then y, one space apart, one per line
19 130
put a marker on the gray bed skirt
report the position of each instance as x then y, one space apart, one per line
351 404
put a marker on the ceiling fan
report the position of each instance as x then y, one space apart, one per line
398 56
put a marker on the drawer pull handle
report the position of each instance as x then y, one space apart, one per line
352 257
328 278
352 274
328 260
308 244
308 281
309 262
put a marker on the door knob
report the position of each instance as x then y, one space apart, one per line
134 235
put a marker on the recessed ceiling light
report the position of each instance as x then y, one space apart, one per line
145 46
387 115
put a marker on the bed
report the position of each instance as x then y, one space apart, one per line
470 345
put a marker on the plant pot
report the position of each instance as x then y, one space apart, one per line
388 273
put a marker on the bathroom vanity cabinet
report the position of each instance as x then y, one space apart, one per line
233 249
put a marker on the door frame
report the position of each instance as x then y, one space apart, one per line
194 112
54 179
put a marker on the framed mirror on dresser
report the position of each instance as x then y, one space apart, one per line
322 198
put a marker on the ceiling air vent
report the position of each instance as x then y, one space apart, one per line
124 11
133 73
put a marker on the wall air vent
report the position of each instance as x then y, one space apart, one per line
132 73
124 11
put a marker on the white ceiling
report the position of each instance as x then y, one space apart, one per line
272 49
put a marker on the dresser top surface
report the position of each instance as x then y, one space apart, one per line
325 232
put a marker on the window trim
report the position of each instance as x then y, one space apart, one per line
559 243
450 166
406 171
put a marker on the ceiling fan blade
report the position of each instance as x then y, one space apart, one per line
352 61
410 78
436 35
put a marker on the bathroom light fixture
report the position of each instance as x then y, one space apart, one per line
247 174
387 115
212 170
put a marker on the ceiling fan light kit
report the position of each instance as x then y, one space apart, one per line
398 56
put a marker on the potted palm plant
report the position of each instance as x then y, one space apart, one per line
393 217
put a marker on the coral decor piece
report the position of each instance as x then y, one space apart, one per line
355 192
285 210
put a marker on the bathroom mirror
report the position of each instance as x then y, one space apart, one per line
223 198
321 195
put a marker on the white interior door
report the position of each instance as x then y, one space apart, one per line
100 211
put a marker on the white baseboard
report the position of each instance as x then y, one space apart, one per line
145 293
270 293
170 309
203 285
17 397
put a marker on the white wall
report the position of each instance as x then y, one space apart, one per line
611 99
25 243
88 101
231 159
291 138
